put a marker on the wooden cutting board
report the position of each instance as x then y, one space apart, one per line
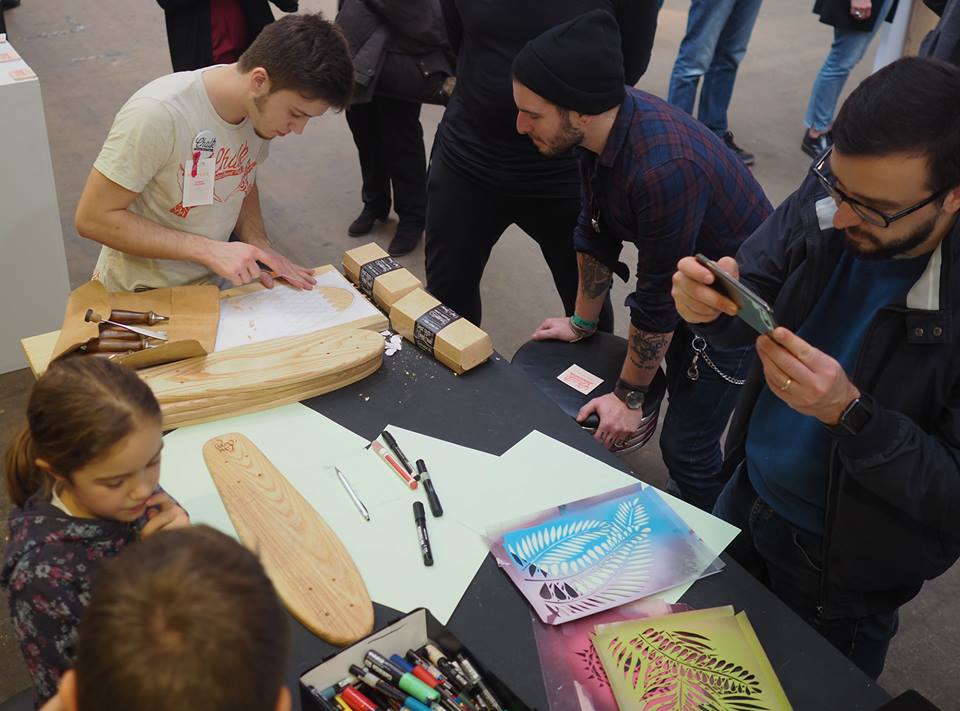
313 573
261 375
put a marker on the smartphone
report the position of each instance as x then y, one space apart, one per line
750 307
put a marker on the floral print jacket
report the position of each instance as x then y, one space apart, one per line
48 572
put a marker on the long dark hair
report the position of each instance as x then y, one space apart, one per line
79 408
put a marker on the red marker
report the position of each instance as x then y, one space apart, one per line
357 701
381 452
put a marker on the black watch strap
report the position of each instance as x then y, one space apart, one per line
629 394
854 418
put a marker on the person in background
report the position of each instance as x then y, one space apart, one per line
943 41
843 455
484 176
205 32
187 620
854 22
83 475
654 177
401 60
713 47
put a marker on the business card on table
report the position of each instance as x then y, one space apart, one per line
579 379
8 55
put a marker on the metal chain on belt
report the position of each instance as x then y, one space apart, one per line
700 349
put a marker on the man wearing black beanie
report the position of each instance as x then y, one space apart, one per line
652 175
483 176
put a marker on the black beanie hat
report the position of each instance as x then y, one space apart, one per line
577 65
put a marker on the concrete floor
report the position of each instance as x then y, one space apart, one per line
91 57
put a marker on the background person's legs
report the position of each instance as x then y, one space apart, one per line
464 221
403 153
364 125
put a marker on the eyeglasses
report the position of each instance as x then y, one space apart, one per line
868 214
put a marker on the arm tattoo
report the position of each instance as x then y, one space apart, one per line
594 277
647 349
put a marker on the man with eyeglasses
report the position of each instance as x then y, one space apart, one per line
844 451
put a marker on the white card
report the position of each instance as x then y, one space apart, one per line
579 379
198 189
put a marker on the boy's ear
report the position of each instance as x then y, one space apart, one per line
284 701
67 694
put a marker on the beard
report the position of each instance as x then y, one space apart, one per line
565 139
864 245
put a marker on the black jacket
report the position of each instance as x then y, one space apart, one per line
836 13
189 33
412 29
943 41
893 498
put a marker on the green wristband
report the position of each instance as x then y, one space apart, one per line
583 324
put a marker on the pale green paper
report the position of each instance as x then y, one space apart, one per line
304 445
539 472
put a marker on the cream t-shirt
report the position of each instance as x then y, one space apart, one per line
151 138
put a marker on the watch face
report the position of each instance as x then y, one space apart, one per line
634 399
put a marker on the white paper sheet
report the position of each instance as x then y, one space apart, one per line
282 311
539 472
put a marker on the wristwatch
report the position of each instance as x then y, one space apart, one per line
631 395
854 418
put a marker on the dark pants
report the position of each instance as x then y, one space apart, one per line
464 222
389 138
697 414
788 561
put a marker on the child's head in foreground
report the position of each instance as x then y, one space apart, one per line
186 619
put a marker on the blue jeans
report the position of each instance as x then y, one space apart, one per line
716 41
847 49
697 414
789 562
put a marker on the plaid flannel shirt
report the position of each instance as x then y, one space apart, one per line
666 183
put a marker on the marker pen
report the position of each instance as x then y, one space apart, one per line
406 681
388 690
450 671
381 452
420 519
395 448
341 704
435 508
358 701
321 700
474 676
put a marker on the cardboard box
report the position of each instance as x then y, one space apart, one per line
411 631
378 275
439 331
194 312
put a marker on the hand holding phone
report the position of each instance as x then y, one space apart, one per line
750 307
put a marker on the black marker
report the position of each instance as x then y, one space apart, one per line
395 448
420 518
423 475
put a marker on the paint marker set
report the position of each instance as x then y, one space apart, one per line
415 664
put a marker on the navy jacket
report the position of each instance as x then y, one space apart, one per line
893 499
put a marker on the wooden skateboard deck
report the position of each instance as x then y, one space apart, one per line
313 573
261 375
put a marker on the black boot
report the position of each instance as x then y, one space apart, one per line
364 223
405 240
743 155
815 147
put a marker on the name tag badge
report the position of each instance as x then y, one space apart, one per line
199 173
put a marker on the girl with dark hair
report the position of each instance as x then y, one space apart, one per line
83 475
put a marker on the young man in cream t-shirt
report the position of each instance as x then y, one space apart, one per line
177 173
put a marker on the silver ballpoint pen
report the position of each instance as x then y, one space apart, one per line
353 494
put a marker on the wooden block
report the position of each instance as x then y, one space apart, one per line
262 375
386 288
312 571
438 330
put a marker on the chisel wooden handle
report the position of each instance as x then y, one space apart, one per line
115 345
137 318
122 334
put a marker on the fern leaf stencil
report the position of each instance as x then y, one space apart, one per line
599 553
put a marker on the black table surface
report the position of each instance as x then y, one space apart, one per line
491 409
